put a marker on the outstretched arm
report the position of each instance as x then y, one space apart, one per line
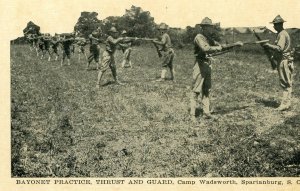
205 47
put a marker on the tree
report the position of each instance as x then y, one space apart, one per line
137 22
87 23
31 28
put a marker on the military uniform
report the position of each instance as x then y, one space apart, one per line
126 48
108 59
284 59
94 48
66 45
167 52
55 43
202 70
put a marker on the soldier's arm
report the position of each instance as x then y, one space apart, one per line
279 47
162 42
115 41
205 47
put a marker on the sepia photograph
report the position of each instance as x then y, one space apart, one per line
154 89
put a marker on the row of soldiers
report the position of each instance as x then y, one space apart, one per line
205 48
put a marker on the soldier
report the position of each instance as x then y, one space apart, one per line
204 45
55 43
81 47
126 48
166 51
94 47
46 39
108 60
67 42
283 57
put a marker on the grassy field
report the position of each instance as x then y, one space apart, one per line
62 126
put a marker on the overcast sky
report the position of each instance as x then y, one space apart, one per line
61 15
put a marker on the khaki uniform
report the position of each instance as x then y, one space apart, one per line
108 59
285 65
126 48
167 51
202 73
95 47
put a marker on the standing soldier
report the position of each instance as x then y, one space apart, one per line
94 47
81 47
204 45
108 59
67 42
126 48
46 39
284 59
55 43
166 51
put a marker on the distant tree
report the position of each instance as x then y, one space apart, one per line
87 23
137 22
31 28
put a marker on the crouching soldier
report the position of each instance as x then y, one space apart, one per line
283 57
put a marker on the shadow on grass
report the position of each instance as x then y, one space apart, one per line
222 111
267 103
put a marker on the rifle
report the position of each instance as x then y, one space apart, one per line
256 42
267 52
230 46
149 40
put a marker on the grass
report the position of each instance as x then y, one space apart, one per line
62 126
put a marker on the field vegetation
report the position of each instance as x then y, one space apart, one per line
62 126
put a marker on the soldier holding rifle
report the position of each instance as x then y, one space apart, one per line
126 48
166 51
94 47
283 57
108 58
205 47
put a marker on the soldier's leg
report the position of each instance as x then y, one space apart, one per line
63 58
105 64
69 57
97 57
285 76
193 105
206 89
172 70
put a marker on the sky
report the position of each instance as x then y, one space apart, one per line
61 15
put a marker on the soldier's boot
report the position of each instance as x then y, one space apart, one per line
97 65
285 102
69 63
163 75
56 58
49 59
87 65
130 64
